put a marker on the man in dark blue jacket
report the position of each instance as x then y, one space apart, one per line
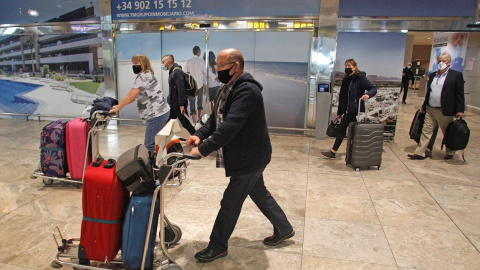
237 130
444 100
176 95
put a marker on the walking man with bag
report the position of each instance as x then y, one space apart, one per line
176 98
444 100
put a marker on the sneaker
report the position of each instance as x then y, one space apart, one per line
275 240
448 156
328 154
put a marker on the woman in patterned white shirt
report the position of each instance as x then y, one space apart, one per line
151 104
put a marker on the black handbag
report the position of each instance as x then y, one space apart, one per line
332 129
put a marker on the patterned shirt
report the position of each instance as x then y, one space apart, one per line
222 96
150 101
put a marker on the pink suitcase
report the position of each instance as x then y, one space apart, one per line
77 134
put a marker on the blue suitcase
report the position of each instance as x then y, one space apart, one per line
135 230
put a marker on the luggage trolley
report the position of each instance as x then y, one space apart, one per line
97 122
68 248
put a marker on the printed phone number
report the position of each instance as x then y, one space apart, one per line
157 4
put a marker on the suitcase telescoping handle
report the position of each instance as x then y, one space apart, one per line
359 105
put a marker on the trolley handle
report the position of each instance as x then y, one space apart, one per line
103 113
178 155
192 157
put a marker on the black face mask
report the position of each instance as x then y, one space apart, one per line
224 76
136 69
348 71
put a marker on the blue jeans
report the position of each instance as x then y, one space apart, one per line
154 126
235 194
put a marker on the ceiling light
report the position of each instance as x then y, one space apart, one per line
33 13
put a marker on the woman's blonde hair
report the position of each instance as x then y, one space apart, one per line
353 63
144 62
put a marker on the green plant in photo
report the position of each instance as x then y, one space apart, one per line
45 70
60 77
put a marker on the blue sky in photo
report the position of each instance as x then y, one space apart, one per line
263 46
375 53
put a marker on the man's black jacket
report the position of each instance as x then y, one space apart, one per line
452 98
243 134
176 83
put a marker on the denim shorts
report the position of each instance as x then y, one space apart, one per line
212 93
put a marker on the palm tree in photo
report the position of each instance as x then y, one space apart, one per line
22 48
31 43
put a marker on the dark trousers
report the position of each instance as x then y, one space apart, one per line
235 194
405 91
175 113
342 129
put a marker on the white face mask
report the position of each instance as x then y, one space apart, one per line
442 66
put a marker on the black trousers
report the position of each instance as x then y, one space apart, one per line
175 113
405 91
235 194
342 129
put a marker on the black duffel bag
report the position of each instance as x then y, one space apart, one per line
135 170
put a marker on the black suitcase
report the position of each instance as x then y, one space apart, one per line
364 144
416 129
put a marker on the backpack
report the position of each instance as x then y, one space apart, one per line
191 89
456 136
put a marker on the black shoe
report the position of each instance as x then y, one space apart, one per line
403 102
328 154
208 255
275 240
415 156
448 156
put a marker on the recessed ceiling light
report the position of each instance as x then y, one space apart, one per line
33 13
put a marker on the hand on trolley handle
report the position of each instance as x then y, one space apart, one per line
194 142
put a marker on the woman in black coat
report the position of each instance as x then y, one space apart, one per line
354 85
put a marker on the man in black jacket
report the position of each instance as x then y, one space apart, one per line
176 96
237 130
444 100
407 76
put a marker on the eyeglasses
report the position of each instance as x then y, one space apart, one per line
223 65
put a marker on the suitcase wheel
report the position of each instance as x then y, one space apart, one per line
170 266
55 264
47 182
172 235
379 167
357 169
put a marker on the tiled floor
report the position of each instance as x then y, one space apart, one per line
408 215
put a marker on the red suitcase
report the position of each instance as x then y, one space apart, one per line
104 201
77 134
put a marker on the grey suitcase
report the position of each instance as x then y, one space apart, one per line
364 144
